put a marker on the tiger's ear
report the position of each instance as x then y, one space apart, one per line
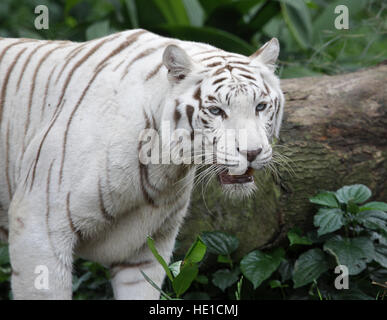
267 54
178 63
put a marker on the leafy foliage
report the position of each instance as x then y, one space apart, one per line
258 266
347 234
328 220
220 243
309 266
295 237
351 252
310 44
181 273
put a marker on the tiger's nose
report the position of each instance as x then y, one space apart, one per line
251 154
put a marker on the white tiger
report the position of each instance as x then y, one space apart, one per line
71 182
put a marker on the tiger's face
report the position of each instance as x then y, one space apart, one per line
235 108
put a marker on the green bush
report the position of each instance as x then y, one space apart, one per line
349 233
310 44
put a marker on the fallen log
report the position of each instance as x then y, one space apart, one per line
334 133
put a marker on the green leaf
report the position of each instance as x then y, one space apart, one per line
258 266
240 17
327 199
78 281
375 220
98 30
239 289
183 281
295 237
149 15
316 239
354 253
175 267
285 270
218 242
152 247
201 278
224 259
196 252
225 278
260 15
210 6
69 5
381 254
218 38
5 274
173 11
328 220
195 12
352 207
358 193
4 254
132 12
71 22
154 285
309 266
277 284
297 17
375 205
311 4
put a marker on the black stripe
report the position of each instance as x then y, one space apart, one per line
27 62
190 111
96 73
7 163
219 80
5 83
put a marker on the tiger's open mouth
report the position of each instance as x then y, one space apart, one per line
226 178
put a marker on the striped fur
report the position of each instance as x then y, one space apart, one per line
71 115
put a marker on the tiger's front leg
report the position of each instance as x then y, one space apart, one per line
129 284
40 251
127 281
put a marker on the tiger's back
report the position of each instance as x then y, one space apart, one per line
45 89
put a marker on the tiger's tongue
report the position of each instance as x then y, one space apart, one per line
226 178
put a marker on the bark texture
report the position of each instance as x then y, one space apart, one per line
334 133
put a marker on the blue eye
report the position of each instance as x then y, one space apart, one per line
260 107
215 111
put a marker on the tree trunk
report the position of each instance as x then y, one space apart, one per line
334 133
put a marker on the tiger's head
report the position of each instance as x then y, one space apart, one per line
233 103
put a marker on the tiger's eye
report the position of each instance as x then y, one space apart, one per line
215 111
260 107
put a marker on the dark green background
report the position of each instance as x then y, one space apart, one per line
310 45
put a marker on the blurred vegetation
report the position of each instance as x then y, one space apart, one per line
310 44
